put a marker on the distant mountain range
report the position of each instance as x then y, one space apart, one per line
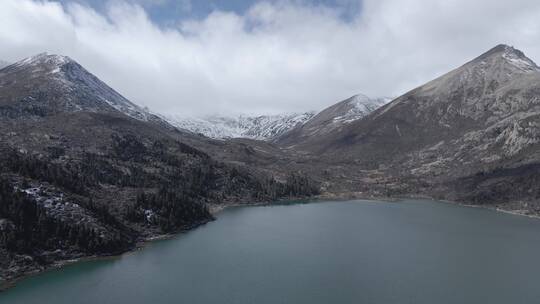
273 127
262 127
73 78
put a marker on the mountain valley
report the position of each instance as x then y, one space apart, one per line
85 172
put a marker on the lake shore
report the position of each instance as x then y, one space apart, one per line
139 245
215 209
362 242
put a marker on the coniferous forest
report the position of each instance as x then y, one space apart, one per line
61 205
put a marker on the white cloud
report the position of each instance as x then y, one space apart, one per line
278 56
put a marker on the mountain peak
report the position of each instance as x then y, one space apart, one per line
359 99
72 88
499 50
510 55
45 58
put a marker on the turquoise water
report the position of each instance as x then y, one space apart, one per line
328 252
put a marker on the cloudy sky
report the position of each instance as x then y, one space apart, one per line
243 56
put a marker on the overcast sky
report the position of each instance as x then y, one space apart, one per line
242 56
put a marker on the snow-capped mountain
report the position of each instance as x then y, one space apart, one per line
262 127
480 114
354 108
333 118
273 127
55 83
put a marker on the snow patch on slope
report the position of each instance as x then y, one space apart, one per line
519 61
56 60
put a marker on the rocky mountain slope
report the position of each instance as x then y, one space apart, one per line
3 64
497 86
464 136
54 84
86 172
261 127
331 119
